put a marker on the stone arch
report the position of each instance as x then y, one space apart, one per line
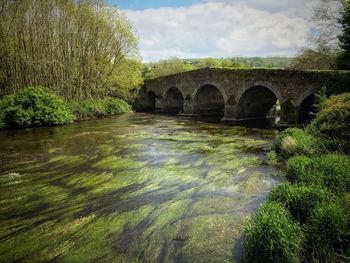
209 100
173 100
255 102
305 109
150 103
265 84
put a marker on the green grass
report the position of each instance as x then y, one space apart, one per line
299 200
294 141
330 171
272 236
328 233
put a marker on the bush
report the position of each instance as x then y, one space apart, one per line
272 236
328 233
299 200
294 141
33 106
330 171
333 122
93 108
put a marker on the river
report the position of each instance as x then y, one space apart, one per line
131 188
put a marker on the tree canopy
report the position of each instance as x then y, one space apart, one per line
77 48
344 38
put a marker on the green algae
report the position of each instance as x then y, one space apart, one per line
133 188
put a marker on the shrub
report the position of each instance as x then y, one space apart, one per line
294 141
272 236
333 122
34 106
299 200
331 171
93 108
328 233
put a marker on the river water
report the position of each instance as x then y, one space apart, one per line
131 188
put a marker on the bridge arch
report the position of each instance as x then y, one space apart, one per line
173 100
306 107
209 99
150 102
256 102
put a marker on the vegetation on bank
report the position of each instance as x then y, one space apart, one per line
77 49
92 108
37 106
84 53
315 201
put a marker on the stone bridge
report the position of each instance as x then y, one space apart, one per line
236 95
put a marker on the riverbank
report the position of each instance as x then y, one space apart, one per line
307 219
37 106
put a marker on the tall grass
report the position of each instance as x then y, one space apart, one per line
272 236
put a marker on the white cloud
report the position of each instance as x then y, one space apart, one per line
219 28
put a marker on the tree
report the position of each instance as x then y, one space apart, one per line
344 38
321 59
324 39
77 48
168 67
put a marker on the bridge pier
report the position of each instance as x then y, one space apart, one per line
237 95
289 114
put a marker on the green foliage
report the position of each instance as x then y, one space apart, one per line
319 59
299 200
272 236
94 108
344 39
33 106
174 65
330 171
338 84
333 122
294 141
78 49
320 99
328 233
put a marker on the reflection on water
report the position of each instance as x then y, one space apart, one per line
131 188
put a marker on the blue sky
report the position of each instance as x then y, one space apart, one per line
219 28
145 4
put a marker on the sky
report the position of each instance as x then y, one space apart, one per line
218 28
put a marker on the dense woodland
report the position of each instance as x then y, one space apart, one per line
78 49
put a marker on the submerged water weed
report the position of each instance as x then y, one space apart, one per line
131 188
117 163
272 157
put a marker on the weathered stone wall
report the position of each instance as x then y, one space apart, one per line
289 87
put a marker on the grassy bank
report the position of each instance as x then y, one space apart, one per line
307 219
37 106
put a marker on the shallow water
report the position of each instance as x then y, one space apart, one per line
131 188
